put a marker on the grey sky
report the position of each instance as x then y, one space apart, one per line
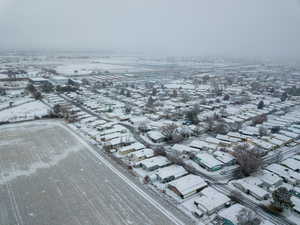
269 28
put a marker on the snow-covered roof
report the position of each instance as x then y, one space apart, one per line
231 213
273 141
211 199
269 177
227 138
208 160
135 146
237 135
284 172
155 161
155 135
182 148
291 163
224 157
173 170
262 144
188 183
289 134
202 144
282 137
147 152
252 187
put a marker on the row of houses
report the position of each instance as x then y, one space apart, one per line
262 184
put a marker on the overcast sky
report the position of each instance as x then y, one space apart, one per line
267 28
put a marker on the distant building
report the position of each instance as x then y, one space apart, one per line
38 80
59 80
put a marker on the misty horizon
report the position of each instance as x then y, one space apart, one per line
247 29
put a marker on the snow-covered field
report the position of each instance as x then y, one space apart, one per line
48 176
24 112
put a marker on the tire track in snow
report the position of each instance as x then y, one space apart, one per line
168 214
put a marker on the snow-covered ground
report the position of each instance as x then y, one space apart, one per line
24 112
77 188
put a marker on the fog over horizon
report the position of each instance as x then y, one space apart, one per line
233 28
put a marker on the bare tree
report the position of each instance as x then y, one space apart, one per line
261 105
221 128
150 102
143 127
154 92
197 131
223 112
85 81
216 88
192 116
275 129
168 131
249 159
128 109
259 119
47 87
160 150
248 217
176 138
236 126
262 131
174 157
174 93
226 97
210 123
185 97
235 196
185 131
282 198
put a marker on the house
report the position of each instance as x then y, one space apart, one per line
170 173
288 175
274 141
251 131
263 144
290 134
131 148
210 200
296 202
297 157
251 189
59 80
109 137
114 129
187 185
238 135
119 142
294 130
105 126
228 138
212 140
208 161
270 180
292 164
154 163
38 80
229 215
141 154
284 138
183 149
202 145
224 157
155 136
